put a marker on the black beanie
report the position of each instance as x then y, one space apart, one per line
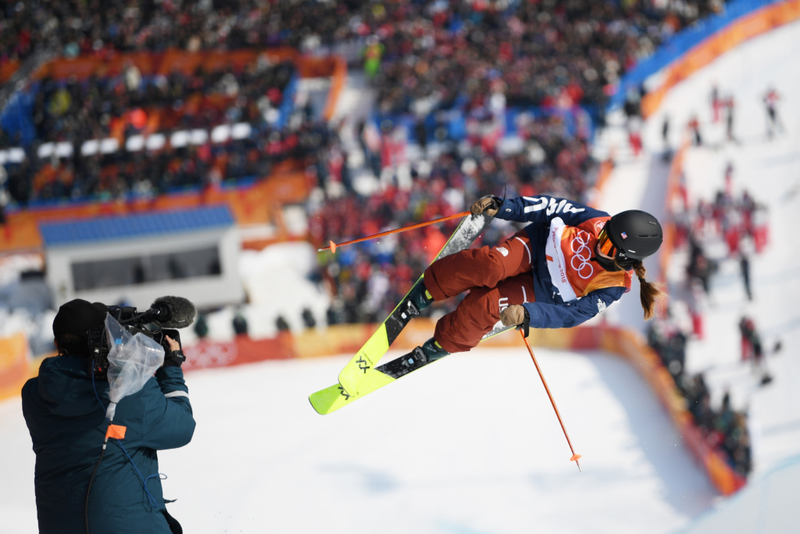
77 317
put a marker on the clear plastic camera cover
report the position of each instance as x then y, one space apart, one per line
132 361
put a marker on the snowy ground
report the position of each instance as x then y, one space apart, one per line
470 445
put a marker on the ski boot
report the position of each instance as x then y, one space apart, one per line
420 297
430 351
417 299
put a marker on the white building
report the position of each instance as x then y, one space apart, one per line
135 259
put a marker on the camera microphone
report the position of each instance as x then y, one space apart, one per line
172 312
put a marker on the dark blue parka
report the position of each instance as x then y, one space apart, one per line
67 425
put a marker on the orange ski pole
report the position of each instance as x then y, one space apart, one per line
575 457
333 246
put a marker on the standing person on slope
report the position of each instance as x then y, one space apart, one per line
565 267
64 408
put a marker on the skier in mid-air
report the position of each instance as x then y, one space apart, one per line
566 266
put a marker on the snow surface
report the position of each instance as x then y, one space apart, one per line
471 445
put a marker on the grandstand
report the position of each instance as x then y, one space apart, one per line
332 120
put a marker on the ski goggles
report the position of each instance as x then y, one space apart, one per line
605 245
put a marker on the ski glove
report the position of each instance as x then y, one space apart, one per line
488 205
518 316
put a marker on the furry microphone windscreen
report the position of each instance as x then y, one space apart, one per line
174 312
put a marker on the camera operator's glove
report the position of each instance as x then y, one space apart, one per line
518 316
174 358
488 205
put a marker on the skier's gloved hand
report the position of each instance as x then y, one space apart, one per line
518 316
488 205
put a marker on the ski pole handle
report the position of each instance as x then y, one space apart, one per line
575 457
333 246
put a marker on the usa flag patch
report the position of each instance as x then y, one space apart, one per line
624 235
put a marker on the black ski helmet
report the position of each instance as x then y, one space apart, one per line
636 234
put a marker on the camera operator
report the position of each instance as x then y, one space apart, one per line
64 408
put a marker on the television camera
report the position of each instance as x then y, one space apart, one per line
162 319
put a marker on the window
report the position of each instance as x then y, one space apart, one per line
143 269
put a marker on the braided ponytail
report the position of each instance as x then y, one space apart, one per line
648 293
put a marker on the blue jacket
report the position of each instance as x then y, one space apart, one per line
67 425
570 230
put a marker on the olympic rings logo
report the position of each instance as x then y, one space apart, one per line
581 260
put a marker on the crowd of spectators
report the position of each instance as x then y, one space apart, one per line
669 342
479 58
449 54
91 108
153 172
369 279
95 26
736 222
422 56
723 429
123 106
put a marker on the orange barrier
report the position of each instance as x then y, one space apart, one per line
665 252
747 27
173 60
604 171
242 349
15 367
258 203
7 70
338 82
